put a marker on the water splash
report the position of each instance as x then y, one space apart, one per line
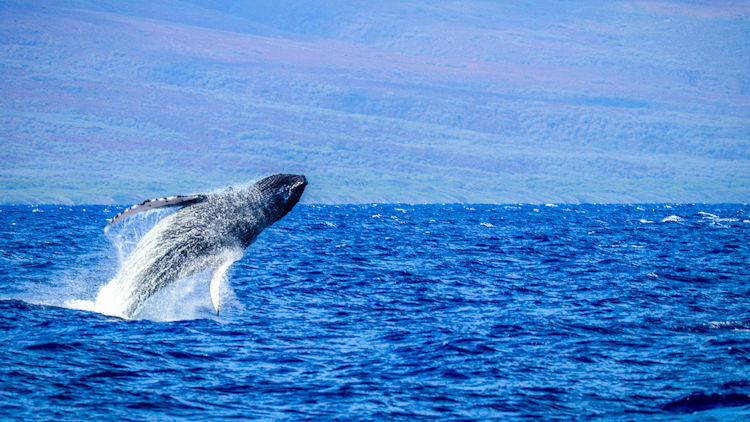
188 297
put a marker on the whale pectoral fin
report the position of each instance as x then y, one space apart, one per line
151 204
216 277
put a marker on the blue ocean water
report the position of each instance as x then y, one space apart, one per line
391 312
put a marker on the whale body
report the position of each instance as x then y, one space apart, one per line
210 231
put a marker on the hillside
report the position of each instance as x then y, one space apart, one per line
376 101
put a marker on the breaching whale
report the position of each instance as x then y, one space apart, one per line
210 231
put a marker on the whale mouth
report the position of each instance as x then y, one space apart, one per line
291 194
295 188
302 182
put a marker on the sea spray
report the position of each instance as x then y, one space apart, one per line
122 238
142 270
188 298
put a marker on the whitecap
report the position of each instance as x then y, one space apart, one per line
707 215
673 218
730 325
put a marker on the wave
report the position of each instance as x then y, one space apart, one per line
700 402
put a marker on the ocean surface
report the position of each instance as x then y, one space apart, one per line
406 312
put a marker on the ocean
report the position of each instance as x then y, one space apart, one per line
390 312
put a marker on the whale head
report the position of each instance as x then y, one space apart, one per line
280 193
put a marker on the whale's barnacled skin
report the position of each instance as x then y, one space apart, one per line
210 232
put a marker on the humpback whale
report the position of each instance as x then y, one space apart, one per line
209 231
